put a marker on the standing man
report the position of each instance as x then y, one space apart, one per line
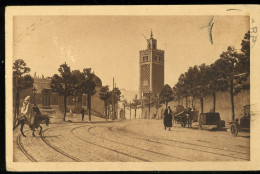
82 113
168 118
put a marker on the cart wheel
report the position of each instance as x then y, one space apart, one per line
219 125
183 123
200 123
234 130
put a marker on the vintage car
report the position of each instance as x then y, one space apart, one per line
242 124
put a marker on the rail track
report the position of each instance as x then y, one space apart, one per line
58 150
190 148
107 148
150 151
23 150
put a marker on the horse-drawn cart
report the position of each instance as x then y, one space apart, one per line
242 124
185 116
211 118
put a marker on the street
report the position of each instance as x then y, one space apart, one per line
128 141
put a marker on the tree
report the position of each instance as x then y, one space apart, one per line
21 80
148 101
77 79
230 73
215 84
114 99
104 95
166 94
63 84
201 89
88 87
136 103
244 58
125 103
157 103
130 106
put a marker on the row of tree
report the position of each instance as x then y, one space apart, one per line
150 100
228 73
110 98
75 83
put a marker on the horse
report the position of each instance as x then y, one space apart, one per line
39 119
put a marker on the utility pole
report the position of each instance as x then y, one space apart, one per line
142 104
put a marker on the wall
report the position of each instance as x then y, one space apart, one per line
223 105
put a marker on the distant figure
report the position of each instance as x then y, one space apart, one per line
71 113
168 118
82 113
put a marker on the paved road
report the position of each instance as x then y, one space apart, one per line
128 141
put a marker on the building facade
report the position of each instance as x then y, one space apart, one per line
43 96
151 63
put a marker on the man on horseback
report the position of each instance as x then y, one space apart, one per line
27 111
31 115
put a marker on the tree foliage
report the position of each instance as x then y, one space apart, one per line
166 94
228 73
21 80
136 104
63 84
104 95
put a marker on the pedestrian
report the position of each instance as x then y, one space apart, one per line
168 118
71 113
82 113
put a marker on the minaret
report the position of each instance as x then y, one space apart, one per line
151 63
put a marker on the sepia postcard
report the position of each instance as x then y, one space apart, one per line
132 88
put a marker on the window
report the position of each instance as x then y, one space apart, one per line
159 58
155 58
145 58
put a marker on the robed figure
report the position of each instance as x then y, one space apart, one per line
27 110
168 118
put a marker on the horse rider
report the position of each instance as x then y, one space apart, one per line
27 111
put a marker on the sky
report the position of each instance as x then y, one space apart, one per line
110 45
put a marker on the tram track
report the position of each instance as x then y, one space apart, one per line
150 151
107 148
23 149
57 149
173 145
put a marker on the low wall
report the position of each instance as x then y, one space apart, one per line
223 105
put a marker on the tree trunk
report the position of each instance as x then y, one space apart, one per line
17 96
65 107
135 113
232 99
124 111
186 99
106 110
192 102
75 101
130 113
201 104
89 107
149 112
214 101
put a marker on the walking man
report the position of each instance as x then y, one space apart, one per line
82 113
168 118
